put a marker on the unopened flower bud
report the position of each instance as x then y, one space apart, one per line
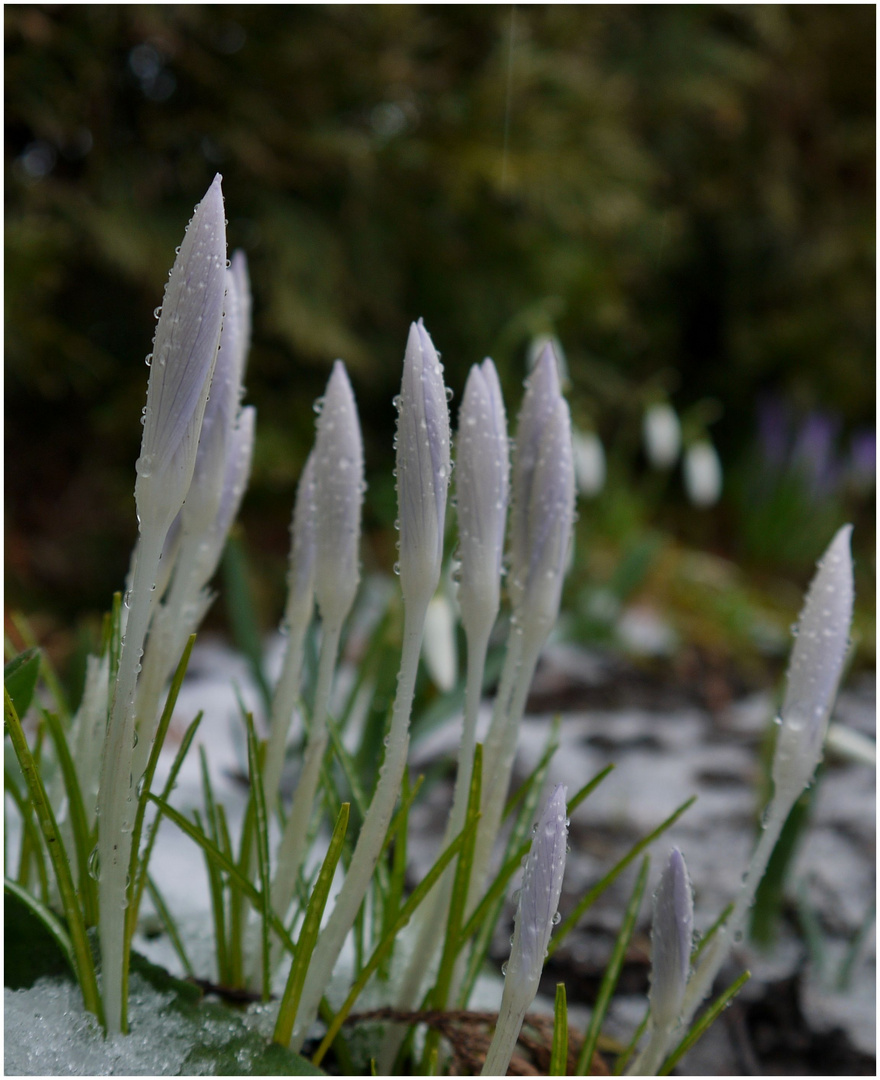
438 644
339 494
543 502
301 570
482 477
815 667
702 473
184 354
671 937
661 430
423 467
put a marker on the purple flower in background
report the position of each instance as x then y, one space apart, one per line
813 452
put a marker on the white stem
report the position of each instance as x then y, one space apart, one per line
731 933
433 912
372 836
293 841
514 1007
115 796
284 701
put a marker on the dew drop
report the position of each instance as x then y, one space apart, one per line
94 864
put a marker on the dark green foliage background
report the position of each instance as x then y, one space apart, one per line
681 193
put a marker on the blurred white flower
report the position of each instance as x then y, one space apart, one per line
661 430
702 473
438 644
589 462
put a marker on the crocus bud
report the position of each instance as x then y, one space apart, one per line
423 467
671 937
536 914
482 477
301 569
589 463
543 502
239 269
221 410
539 896
339 493
184 354
702 473
662 434
815 668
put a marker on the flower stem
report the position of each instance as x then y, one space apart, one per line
375 826
116 794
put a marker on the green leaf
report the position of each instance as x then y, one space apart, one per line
559 1049
703 1024
20 678
35 941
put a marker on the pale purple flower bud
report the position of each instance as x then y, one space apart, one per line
239 453
702 473
589 463
536 349
543 502
671 937
221 411
538 904
661 431
301 570
184 354
339 494
423 467
815 668
239 269
482 479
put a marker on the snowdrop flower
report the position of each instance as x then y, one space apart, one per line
702 473
338 496
671 937
482 479
589 462
536 915
543 502
423 467
438 646
815 668
184 354
661 430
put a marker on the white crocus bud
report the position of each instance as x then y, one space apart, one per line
536 914
815 668
702 473
589 463
184 353
661 430
423 467
301 568
482 480
239 270
543 504
671 938
339 494
203 498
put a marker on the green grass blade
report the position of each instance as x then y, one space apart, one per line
82 834
30 839
218 907
703 1024
168 922
453 941
83 963
20 678
575 801
574 916
612 971
309 933
144 862
225 864
559 1046
711 932
46 669
387 943
262 826
46 916
623 1059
